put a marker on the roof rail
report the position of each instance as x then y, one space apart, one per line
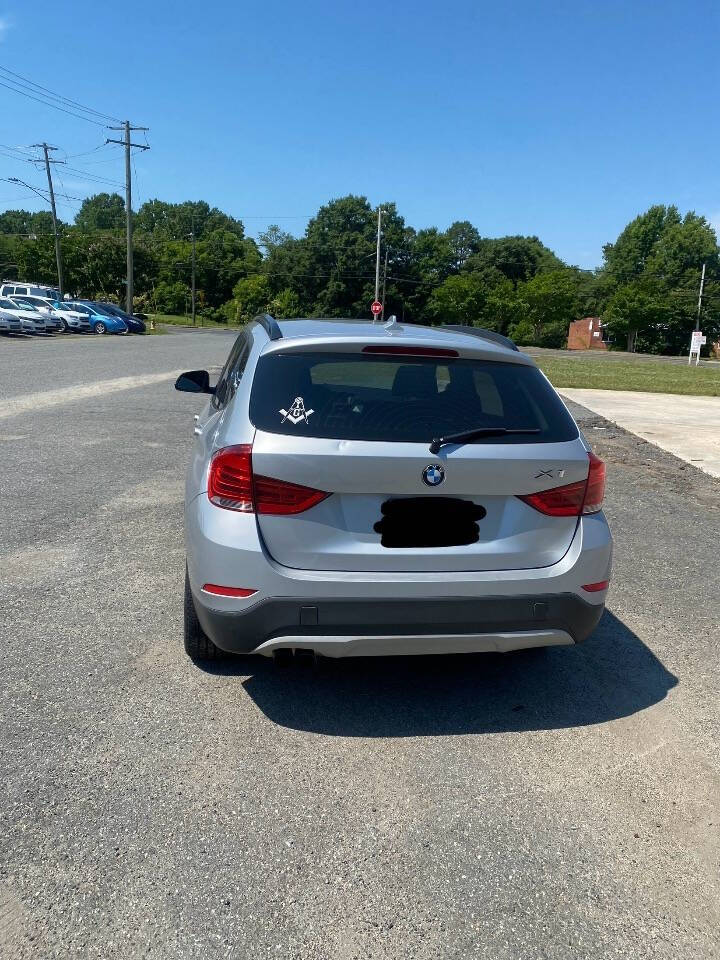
271 326
482 333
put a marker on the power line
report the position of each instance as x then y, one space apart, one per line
47 103
7 146
85 153
30 84
93 176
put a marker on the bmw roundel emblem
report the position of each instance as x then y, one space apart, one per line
433 475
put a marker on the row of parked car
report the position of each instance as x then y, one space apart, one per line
31 309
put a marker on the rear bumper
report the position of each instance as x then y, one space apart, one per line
403 612
349 627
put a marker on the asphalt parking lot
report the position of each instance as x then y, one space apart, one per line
552 806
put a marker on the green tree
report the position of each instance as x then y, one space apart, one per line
459 299
634 310
21 222
518 258
285 305
169 297
471 300
551 304
176 221
339 252
626 259
273 237
251 296
463 240
655 267
103 211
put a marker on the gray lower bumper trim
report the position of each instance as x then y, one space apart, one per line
282 616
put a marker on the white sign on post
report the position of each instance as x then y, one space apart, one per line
696 341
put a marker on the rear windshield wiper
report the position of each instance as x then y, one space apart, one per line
468 435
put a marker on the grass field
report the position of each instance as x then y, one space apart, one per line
182 321
646 375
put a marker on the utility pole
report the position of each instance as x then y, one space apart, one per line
58 253
377 256
193 271
382 315
128 128
702 286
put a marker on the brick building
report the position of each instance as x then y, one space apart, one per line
586 334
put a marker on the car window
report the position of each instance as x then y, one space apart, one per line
359 397
97 308
231 373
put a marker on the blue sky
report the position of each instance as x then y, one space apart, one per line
561 119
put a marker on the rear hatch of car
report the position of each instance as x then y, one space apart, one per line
356 422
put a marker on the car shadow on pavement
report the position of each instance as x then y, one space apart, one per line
613 674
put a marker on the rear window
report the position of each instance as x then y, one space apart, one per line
351 396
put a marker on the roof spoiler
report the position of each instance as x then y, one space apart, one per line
482 333
270 325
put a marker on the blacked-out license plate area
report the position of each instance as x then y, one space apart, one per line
429 522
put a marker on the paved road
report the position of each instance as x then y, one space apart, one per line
501 807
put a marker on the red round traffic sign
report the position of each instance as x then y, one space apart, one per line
376 308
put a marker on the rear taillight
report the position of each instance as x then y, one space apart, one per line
595 492
279 496
233 486
573 499
230 481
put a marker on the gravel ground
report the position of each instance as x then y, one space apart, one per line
552 806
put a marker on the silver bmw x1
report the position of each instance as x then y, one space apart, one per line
361 489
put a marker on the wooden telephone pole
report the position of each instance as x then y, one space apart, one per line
128 128
58 253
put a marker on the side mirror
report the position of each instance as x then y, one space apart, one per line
194 381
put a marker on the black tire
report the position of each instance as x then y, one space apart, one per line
99 327
64 326
197 646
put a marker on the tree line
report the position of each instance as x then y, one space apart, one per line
646 290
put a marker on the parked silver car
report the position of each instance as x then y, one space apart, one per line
361 489
72 320
53 323
63 318
9 323
31 321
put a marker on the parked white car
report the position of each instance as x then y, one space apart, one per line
9 323
64 316
51 316
70 318
31 321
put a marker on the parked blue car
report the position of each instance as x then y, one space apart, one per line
134 324
101 321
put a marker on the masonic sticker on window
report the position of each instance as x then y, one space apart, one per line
296 412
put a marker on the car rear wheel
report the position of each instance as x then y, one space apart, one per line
99 327
197 645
